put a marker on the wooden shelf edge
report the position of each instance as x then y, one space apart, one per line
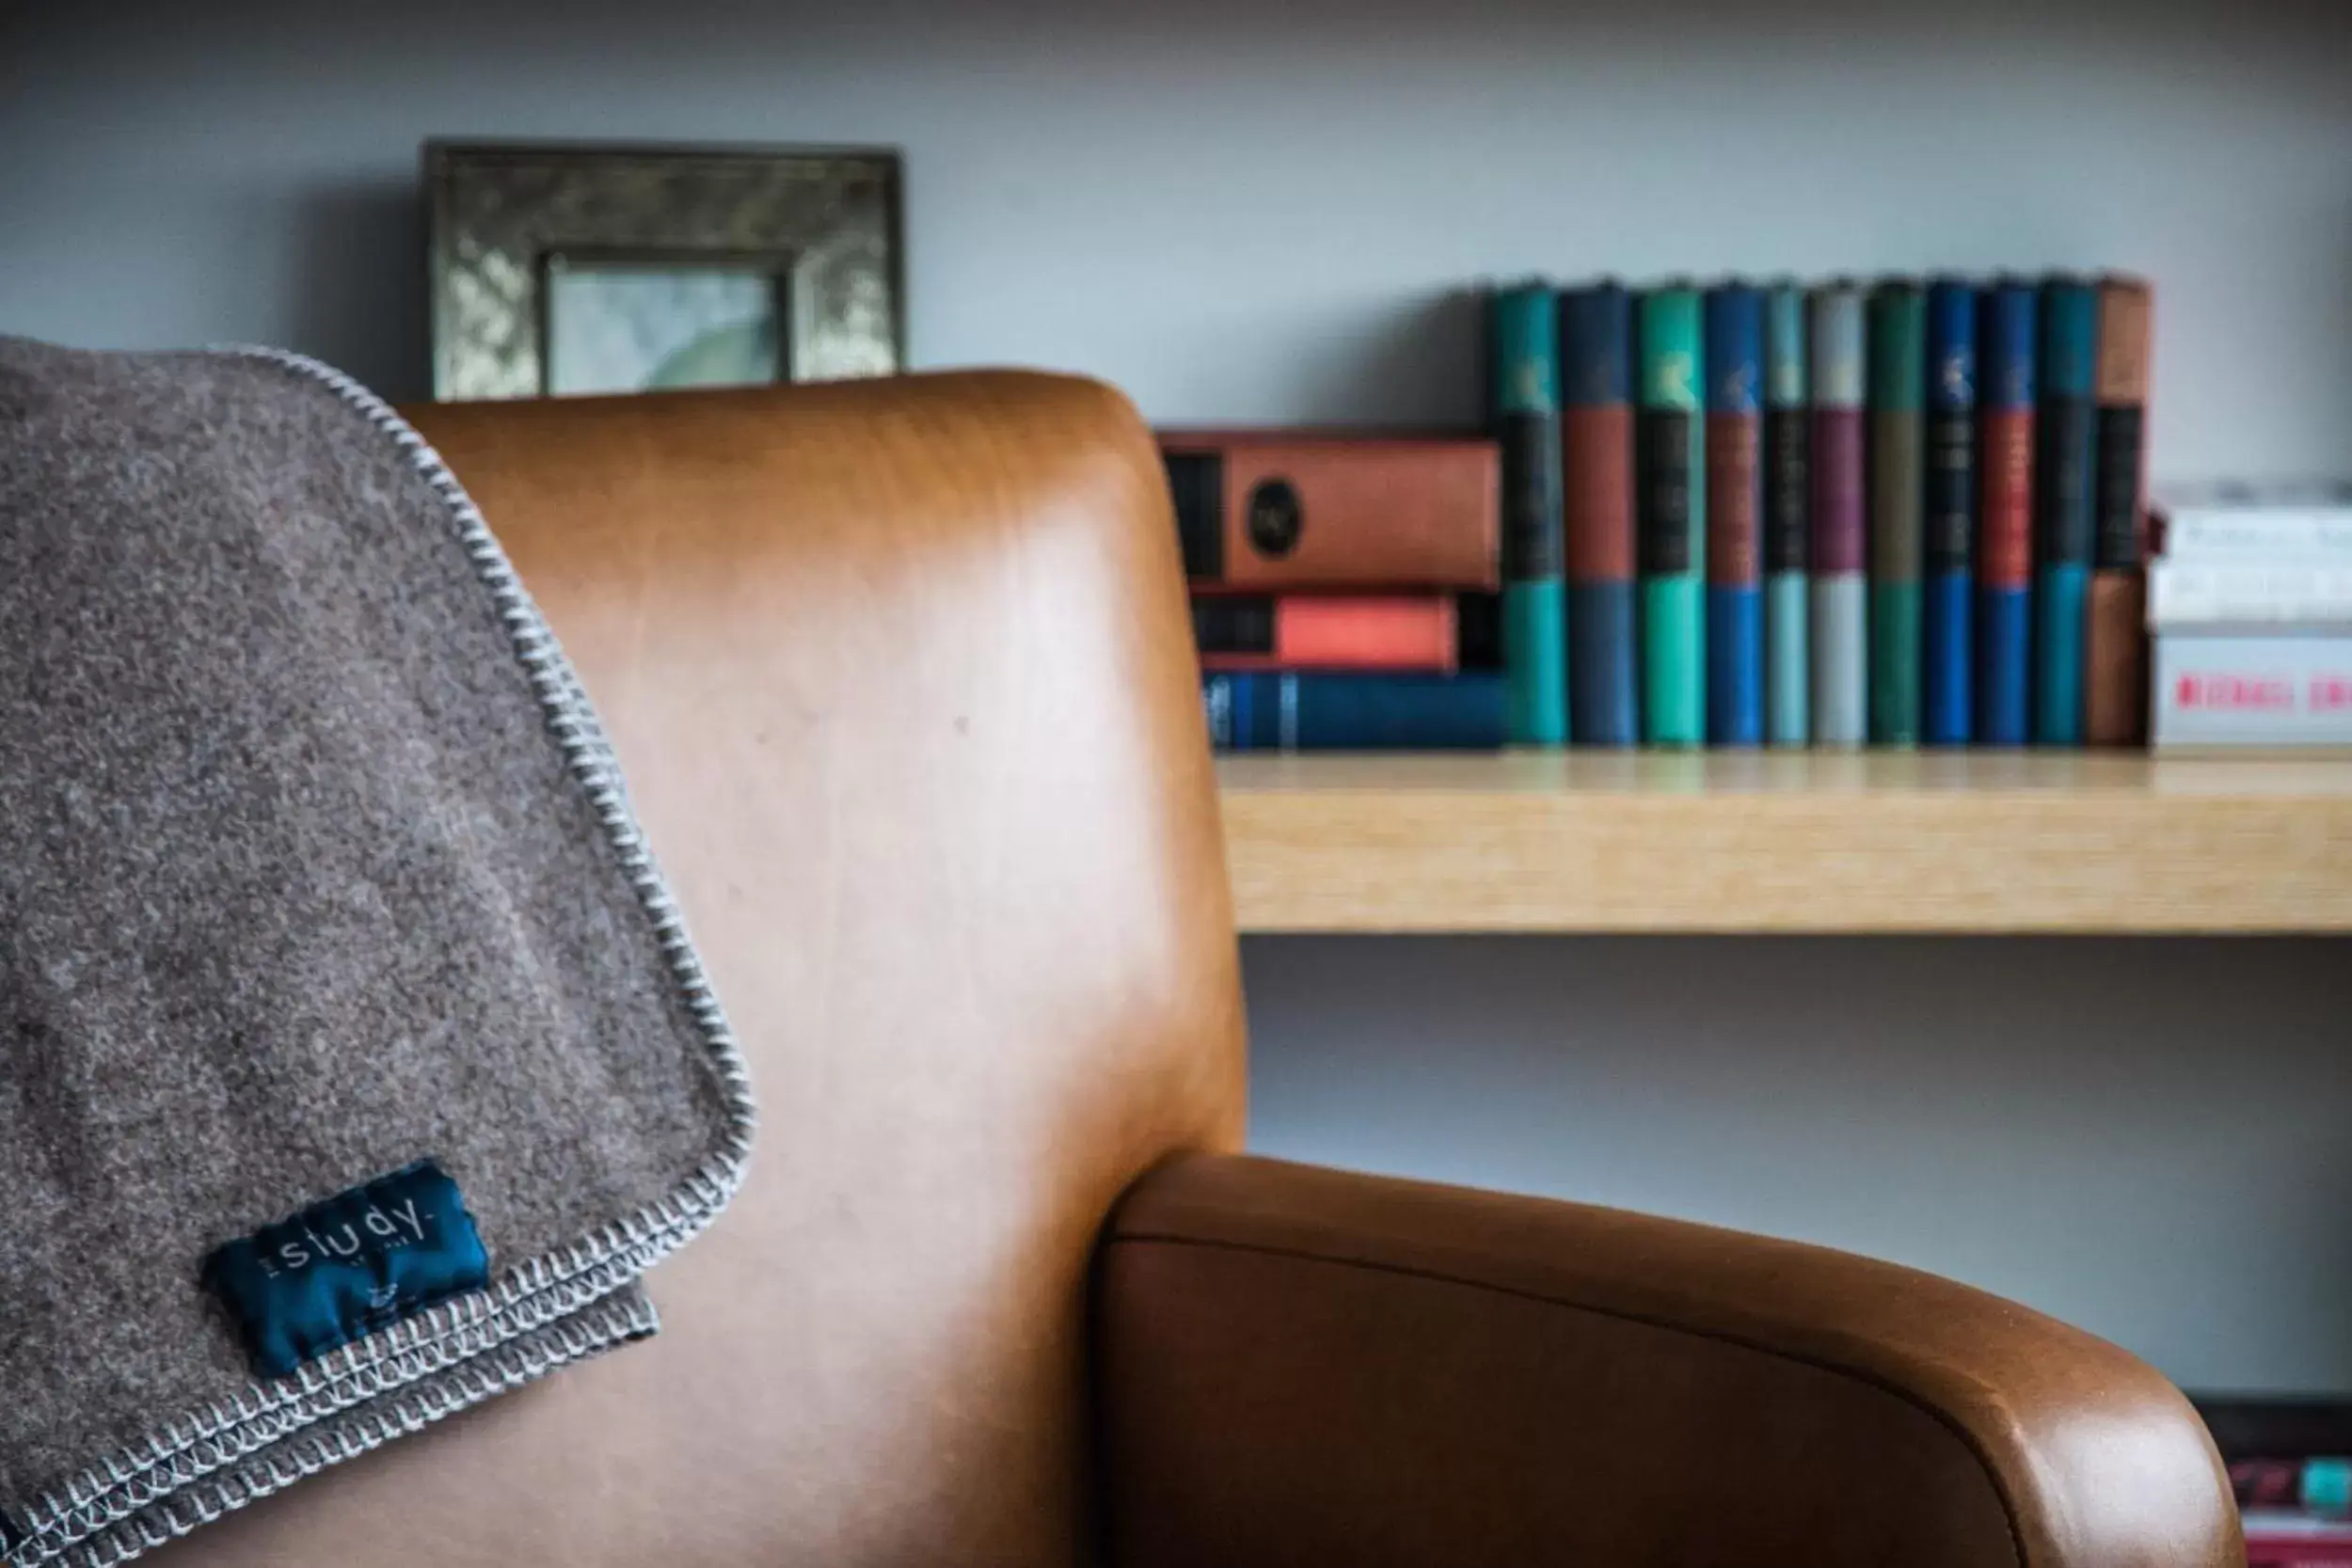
1799 844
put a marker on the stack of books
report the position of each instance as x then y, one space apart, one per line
1343 588
2298 1512
2291 1538
2250 600
1898 514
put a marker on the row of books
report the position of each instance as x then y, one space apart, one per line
1900 514
2250 599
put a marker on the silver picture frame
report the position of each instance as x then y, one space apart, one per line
652 267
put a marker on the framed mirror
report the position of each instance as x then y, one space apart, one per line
563 269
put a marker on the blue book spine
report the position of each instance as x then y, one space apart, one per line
2065 515
1597 458
1788 522
1283 711
1949 702
1734 357
2006 388
1523 323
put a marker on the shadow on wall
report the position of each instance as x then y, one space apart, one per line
357 292
1421 363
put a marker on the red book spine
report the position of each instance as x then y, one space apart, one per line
2115 711
1279 511
1297 632
1733 528
1599 444
2005 541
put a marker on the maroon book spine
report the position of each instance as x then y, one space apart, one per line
1839 528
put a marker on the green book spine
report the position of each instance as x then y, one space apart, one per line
1672 520
1898 355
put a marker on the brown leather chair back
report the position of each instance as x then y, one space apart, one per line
900 673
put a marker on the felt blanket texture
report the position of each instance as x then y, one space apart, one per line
313 866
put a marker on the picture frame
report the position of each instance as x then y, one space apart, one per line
565 268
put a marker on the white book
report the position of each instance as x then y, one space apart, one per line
2232 521
2205 593
2291 690
2235 533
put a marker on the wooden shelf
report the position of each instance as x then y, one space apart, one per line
1977 841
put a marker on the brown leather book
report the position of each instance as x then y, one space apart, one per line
2115 656
1308 509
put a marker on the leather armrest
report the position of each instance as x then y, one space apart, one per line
1300 1366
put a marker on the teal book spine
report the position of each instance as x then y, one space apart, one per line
1788 522
1898 488
2064 507
1672 520
1523 343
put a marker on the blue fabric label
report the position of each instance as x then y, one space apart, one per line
346 1267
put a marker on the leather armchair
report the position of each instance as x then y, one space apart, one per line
902 674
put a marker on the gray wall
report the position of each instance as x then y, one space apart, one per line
1252 211
2146 1137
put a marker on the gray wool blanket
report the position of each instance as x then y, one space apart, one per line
354 1062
